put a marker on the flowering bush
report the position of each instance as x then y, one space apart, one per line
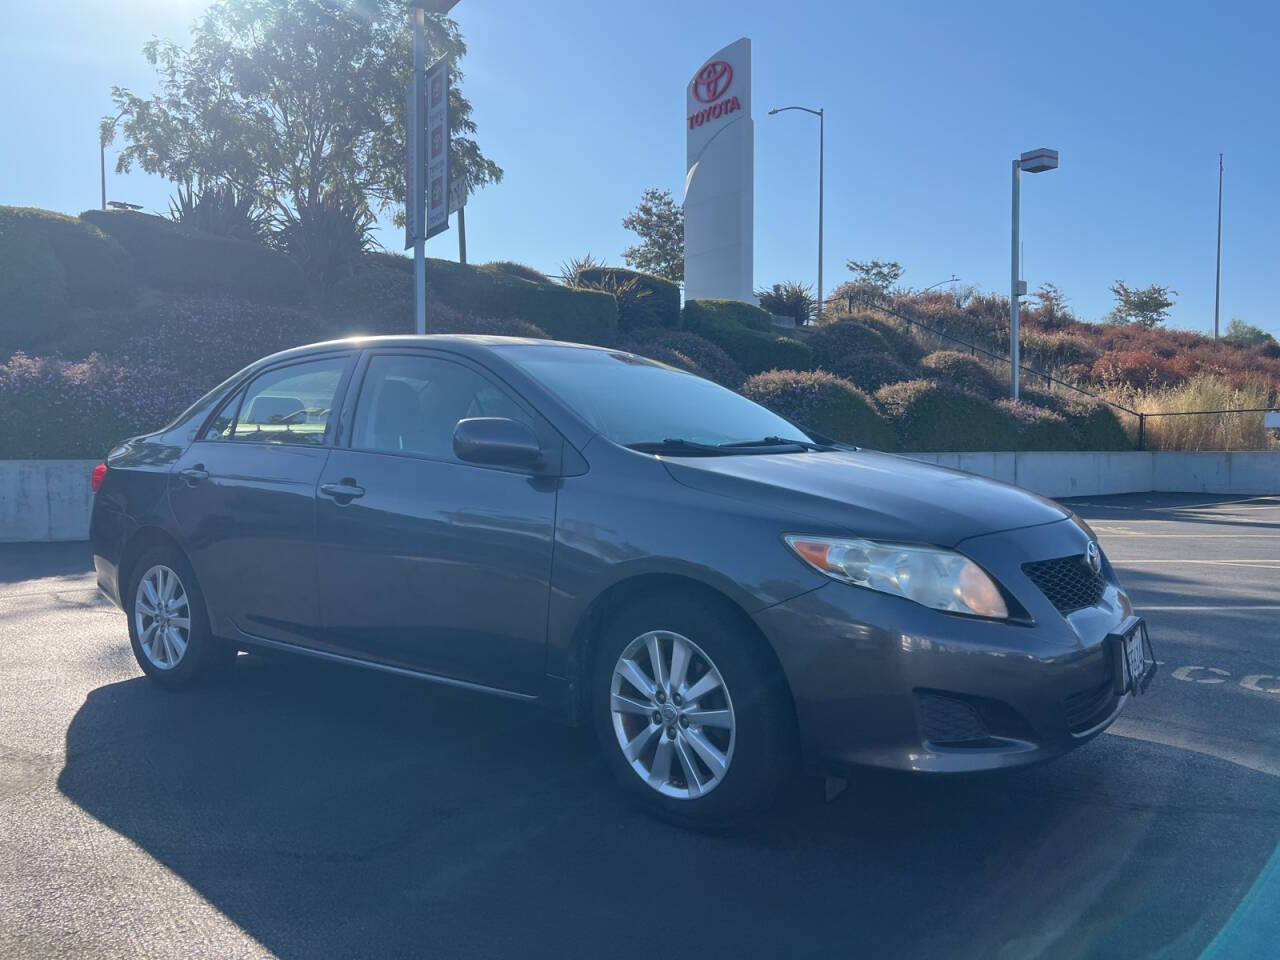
961 370
824 403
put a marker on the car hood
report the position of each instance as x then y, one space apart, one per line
870 494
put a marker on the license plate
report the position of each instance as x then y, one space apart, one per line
1133 653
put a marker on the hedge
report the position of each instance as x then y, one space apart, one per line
1039 428
688 351
746 314
859 354
578 316
171 257
752 349
824 403
935 417
906 347
964 371
1094 425
658 307
48 263
521 270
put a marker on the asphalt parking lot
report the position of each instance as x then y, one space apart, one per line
307 811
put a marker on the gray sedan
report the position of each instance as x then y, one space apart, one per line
721 593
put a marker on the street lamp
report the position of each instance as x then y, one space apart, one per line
1033 161
102 150
821 150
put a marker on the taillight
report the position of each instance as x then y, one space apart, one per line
99 474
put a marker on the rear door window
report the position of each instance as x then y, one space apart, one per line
292 404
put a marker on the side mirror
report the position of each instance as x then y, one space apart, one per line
496 441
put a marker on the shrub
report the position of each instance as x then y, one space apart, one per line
1051 350
963 371
1039 428
1134 368
220 211
376 298
822 402
33 286
753 350
930 416
170 257
328 238
907 347
1093 424
794 300
514 269
96 271
688 351
579 316
643 299
745 314
857 353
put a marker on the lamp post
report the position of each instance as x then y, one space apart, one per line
1033 161
102 151
821 151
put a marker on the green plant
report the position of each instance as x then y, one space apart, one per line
687 350
170 257
33 284
219 210
961 370
97 272
822 402
327 238
659 222
881 275
1147 307
644 300
930 416
858 353
794 300
1093 424
1246 334
753 349
514 269
1039 428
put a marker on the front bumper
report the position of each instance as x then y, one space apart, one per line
881 681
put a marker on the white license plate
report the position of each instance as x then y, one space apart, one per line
1135 663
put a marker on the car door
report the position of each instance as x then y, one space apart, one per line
427 562
243 498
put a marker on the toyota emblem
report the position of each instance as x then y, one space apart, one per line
711 82
1093 557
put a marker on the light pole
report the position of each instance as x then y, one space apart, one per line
821 152
102 151
952 279
1033 161
1217 279
417 203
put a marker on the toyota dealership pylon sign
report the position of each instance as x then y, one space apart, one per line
720 177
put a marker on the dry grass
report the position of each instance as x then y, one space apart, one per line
1239 431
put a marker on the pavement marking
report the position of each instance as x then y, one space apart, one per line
1187 536
1200 608
1268 564
1184 673
1254 682
1132 728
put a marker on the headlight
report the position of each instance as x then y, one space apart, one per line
942 579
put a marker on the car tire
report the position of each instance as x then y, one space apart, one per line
169 624
707 775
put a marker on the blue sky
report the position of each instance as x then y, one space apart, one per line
927 103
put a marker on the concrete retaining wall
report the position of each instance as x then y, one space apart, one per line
51 499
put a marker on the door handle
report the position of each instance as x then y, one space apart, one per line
344 491
193 475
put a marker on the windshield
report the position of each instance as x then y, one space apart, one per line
633 401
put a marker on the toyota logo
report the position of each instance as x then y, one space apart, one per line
1093 557
711 82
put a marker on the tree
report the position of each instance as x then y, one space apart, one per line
291 102
659 221
1051 308
1147 307
881 274
1245 334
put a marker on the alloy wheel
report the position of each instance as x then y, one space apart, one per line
672 715
162 617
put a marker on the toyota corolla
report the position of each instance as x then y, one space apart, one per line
721 593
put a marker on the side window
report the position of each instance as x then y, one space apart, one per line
292 404
220 426
412 404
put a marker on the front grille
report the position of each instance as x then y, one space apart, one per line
1088 708
1067 582
948 719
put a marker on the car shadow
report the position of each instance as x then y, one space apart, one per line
333 812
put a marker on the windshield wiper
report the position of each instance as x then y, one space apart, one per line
771 442
679 446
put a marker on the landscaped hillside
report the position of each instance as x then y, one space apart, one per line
113 322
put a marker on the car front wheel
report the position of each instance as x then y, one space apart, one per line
692 716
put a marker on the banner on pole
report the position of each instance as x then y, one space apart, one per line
437 136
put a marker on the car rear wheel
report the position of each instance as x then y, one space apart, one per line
168 625
693 718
